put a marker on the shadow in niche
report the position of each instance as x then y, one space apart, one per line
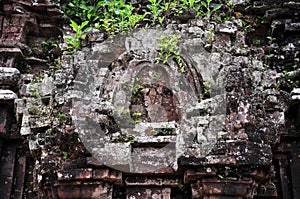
152 99
293 119
154 103
286 155
180 192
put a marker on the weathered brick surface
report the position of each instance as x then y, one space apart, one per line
18 20
6 115
7 170
141 193
84 190
256 152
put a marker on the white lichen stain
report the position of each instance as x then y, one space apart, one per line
208 170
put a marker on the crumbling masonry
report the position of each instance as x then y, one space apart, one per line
228 127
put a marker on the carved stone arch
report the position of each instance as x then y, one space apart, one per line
136 77
112 117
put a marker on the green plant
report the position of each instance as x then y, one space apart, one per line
272 184
129 138
268 58
168 47
34 91
278 86
164 132
227 16
137 114
220 176
262 19
157 76
49 44
118 16
134 19
57 64
80 33
137 90
190 3
246 26
154 9
230 6
257 42
47 47
271 39
63 153
221 133
80 10
206 90
113 16
168 131
208 11
61 117
137 121
181 187
126 18
43 111
263 188
186 4
210 39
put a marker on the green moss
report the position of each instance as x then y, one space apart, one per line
169 49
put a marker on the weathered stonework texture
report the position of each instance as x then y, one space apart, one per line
110 122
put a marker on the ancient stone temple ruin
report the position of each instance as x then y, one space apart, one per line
116 119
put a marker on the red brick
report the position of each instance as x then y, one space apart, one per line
108 175
191 175
147 193
91 190
75 174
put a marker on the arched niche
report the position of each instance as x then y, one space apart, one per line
137 114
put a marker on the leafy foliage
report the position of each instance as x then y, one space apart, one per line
208 10
80 30
169 48
116 16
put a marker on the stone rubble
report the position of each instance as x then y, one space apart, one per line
84 125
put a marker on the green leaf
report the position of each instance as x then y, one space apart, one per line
89 15
182 69
74 25
76 44
71 4
160 20
166 7
204 4
83 24
191 3
83 6
117 11
69 37
87 29
216 8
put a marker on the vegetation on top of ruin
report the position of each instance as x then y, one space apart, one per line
113 17
118 16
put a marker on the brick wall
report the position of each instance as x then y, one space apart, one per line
248 148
